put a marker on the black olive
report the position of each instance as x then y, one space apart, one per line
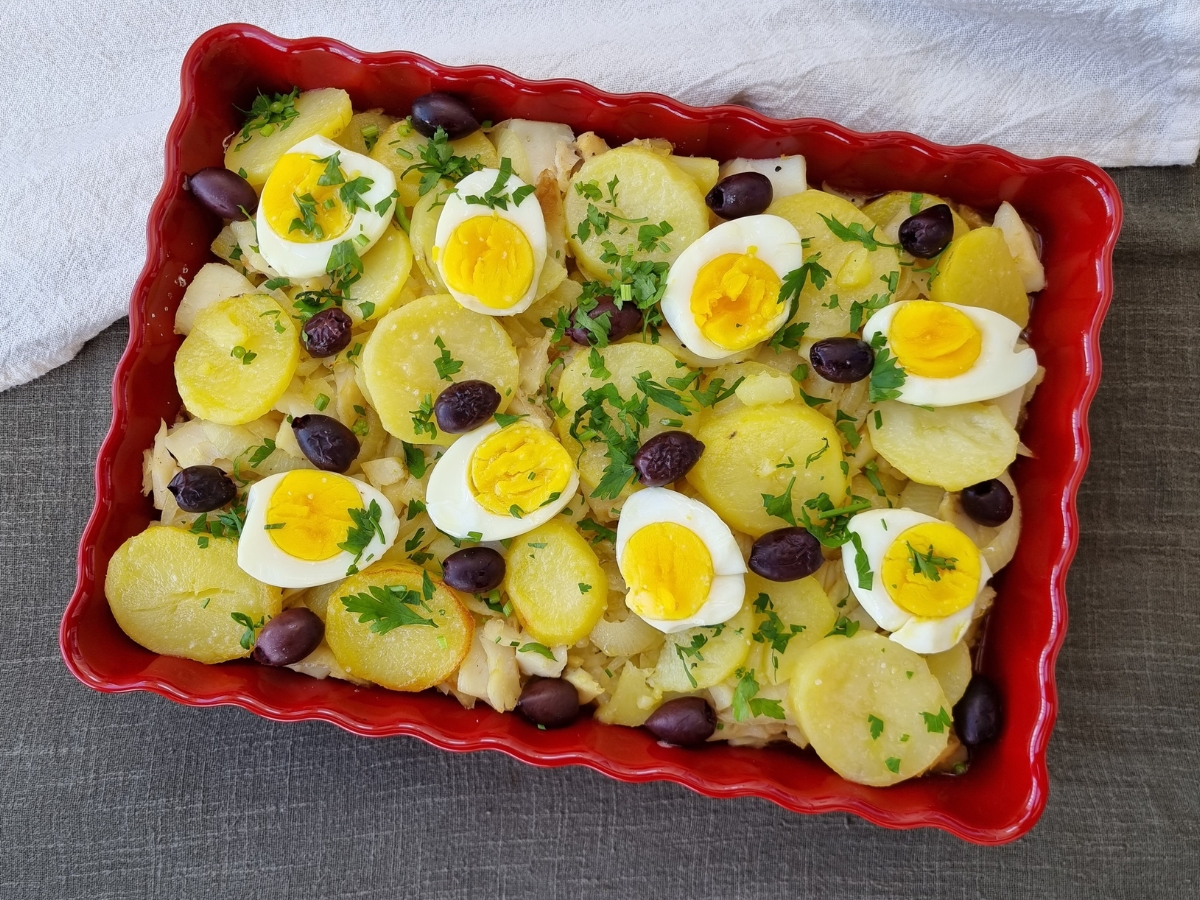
621 322
549 702
465 405
988 503
686 721
666 457
328 332
842 360
743 194
223 192
786 554
977 715
327 443
926 234
475 570
289 637
200 489
437 110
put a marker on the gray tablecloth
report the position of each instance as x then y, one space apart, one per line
133 796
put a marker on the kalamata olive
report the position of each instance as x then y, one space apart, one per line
200 489
743 194
686 721
928 232
843 360
549 702
786 554
666 457
465 405
289 637
475 570
977 715
328 332
988 503
437 110
621 322
327 443
223 192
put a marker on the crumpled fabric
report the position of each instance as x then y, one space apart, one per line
90 90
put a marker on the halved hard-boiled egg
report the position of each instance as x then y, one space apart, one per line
318 196
679 560
498 482
490 244
307 527
917 576
952 354
722 294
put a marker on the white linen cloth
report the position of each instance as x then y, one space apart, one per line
89 90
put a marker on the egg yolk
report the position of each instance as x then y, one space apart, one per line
308 514
522 467
932 570
490 259
297 207
933 340
669 571
735 300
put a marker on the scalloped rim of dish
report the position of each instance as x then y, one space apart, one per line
583 756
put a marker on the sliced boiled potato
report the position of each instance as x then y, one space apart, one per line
698 658
863 703
856 274
890 210
399 369
788 606
399 148
214 281
952 669
627 637
978 270
173 596
237 360
948 446
325 111
555 583
422 232
634 699
624 363
650 187
386 267
774 449
364 131
1020 245
706 172
403 657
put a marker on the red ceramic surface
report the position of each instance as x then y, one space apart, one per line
1074 206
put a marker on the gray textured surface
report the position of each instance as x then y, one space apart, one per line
132 796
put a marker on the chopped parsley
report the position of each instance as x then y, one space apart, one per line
772 631
250 626
747 705
893 764
663 396
414 459
596 365
497 197
262 452
539 649
246 356
886 374
845 423
862 565
307 220
438 161
861 311
650 237
392 606
936 723
780 505
422 418
813 457
601 532
266 114
876 725
854 232
928 564
506 419
366 527
788 337
844 626
446 364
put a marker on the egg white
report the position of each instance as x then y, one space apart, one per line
1000 368
260 558
294 259
454 509
777 244
527 216
877 529
651 505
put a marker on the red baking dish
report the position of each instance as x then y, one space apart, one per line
1072 203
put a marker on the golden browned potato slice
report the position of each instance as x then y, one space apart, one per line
870 708
555 583
395 625
782 450
325 111
174 596
237 360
